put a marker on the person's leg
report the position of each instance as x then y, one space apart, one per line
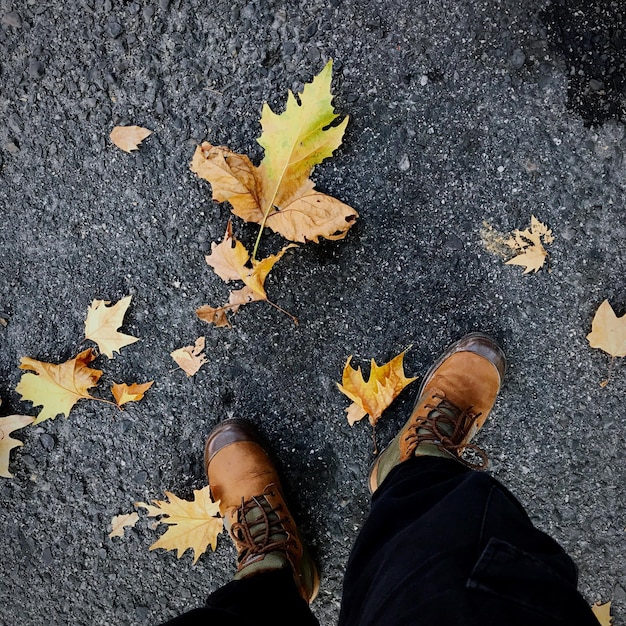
276 578
444 545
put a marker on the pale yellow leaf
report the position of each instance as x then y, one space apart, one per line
190 358
608 332
7 443
193 525
120 522
128 138
102 323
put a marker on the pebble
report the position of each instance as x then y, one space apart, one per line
11 147
12 19
596 85
46 556
47 441
164 4
141 477
36 69
114 29
424 80
404 164
518 58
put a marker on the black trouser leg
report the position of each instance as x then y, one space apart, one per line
447 546
268 598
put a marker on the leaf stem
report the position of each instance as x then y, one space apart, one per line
294 319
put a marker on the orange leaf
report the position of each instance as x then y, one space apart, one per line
102 323
373 396
57 388
124 393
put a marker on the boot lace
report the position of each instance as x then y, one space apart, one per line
260 529
445 426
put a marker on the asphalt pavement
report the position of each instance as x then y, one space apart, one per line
461 113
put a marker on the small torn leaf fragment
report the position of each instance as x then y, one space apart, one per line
278 193
120 522
7 425
528 246
190 358
608 332
128 138
603 613
102 325
193 525
57 388
124 393
373 396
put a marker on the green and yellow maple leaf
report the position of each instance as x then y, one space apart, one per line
279 193
192 525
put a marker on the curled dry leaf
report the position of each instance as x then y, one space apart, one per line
194 524
190 358
124 393
128 138
102 323
120 522
57 388
528 246
373 396
7 443
279 193
231 261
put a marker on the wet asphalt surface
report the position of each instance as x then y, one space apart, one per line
461 112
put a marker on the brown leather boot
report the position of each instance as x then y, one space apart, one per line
245 481
454 401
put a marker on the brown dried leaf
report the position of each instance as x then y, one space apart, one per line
528 245
7 426
608 332
603 613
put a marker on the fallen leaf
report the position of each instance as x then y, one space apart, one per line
373 396
603 613
190 358
57 388
124 393
528 246
128 138
7 426
278 193
192 524
231 261
102 323
119 522
608 332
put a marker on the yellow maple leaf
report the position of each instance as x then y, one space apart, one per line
373 396
602 613
124 393
608 332
57 388
190 358
279 193
128 138
528 246
192 524
120 522
102 323
7 425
